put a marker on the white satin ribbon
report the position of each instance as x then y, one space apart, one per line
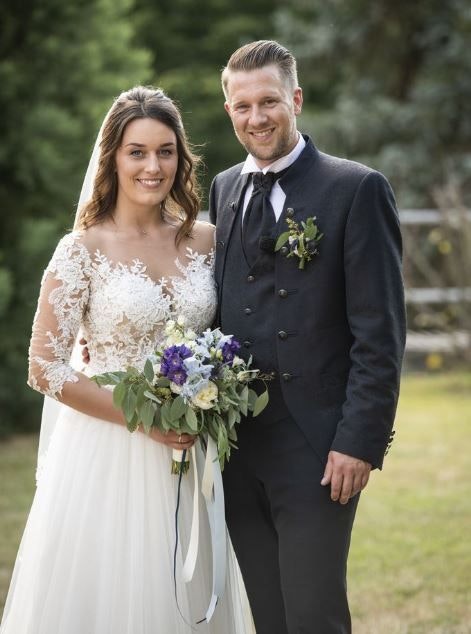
192 554
213 493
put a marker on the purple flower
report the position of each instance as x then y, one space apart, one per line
172 366
229 350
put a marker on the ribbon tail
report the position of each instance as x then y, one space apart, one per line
213 492
192 554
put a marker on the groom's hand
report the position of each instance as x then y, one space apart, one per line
346 475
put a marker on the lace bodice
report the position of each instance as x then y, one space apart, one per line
118 307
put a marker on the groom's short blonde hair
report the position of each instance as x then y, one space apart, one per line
258 55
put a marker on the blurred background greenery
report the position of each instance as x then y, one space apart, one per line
386 83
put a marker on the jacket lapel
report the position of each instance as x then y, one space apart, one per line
297 206
231 203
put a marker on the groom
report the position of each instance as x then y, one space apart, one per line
330 335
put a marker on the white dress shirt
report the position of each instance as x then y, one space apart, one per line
277 195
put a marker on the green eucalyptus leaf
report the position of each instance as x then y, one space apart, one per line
282 239
141 398
117 376
151 396
149 371
301 246
146 414
119 393
231 418
191 419
222 441
133 423
212 427
310 233
162 382
260 403
252 399
165 415
106 378
178 408
129 403
244 398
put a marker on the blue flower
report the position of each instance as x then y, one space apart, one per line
196 367
229 350
172 364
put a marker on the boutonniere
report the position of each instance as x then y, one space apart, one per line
302 243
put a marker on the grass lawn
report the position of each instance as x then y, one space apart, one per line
410 562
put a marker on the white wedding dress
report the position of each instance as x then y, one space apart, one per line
97 553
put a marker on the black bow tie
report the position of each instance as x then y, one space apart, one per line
259 219
264 182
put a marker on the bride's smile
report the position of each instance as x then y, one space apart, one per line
146 164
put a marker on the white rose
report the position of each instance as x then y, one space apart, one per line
170 325
205 399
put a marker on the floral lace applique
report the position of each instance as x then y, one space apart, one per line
65 287
118 307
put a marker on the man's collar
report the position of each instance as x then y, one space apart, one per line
250 164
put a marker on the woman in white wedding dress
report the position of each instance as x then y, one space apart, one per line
97 553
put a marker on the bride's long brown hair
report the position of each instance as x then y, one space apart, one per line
183 200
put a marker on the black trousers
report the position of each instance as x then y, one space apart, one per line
290 539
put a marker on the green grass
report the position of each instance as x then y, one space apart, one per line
410 561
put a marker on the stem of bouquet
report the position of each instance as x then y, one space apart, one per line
180 461
180 474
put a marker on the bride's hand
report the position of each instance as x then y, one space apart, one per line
172 439
85 354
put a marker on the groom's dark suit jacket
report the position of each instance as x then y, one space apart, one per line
338 326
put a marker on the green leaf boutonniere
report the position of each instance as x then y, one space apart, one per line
302 243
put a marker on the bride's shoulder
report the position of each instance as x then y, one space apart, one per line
80 242
202 237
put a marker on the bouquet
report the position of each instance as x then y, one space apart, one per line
192 384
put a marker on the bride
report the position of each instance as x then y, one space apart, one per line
97 553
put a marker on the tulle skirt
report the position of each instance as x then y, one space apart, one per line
97 553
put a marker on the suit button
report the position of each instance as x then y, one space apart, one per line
290 212
283 292
286 376
220 244
248 311
283 335
247 343
284 250
250 278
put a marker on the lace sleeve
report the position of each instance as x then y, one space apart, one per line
62 302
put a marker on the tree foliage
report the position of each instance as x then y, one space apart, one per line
60 65
386 83
190 44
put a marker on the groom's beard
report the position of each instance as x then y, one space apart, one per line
283 146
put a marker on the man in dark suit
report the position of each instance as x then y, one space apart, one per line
330 335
